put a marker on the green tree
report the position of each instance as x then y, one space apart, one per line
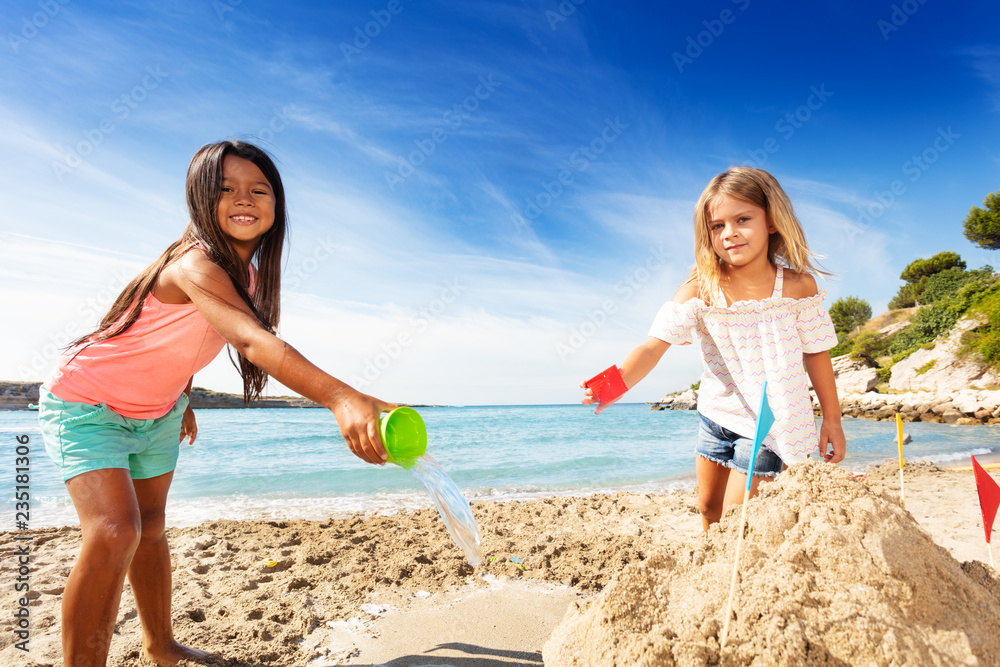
868 346
982 225
923 268
849 313
918 272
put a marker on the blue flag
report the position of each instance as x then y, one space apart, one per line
764 420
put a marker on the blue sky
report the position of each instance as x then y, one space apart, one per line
488 201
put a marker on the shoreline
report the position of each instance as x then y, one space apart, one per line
374 589
968 407
188 513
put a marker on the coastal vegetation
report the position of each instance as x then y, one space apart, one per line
936 292
939 300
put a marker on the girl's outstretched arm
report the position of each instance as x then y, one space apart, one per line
820 370
642 360
213 293
644 357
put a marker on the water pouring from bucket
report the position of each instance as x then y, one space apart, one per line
404 436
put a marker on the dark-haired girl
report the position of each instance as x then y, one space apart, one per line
116 408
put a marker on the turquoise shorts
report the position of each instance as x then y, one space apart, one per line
80 437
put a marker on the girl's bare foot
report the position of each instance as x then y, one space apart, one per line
173 653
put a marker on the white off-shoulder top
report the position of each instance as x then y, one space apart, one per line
746 343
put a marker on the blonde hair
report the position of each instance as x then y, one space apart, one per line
787 246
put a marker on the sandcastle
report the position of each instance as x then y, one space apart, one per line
833 571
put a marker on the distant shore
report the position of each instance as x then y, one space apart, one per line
21 395
963 407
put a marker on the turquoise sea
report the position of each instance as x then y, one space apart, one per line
292 463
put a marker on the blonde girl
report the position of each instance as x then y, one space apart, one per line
753 303
116 408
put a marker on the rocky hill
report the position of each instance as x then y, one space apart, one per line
933 384
206 398
17 395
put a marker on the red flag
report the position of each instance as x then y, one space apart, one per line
989 496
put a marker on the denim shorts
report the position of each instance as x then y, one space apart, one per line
722 446
80 437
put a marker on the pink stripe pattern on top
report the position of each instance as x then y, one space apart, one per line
742 345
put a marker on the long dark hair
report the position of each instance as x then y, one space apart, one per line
204 189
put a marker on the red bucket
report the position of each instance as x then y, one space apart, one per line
607 385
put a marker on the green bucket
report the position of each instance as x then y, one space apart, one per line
404 436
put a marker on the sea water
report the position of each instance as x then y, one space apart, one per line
292 463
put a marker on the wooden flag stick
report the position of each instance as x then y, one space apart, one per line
899 439
765 418
736 567
989 502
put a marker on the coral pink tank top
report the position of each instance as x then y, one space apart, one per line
142 372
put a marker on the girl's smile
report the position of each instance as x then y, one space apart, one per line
246 207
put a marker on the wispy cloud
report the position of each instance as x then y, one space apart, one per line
319 122
544 169
985 62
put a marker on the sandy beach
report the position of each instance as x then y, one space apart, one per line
573 572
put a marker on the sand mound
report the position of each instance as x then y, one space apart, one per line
832 573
